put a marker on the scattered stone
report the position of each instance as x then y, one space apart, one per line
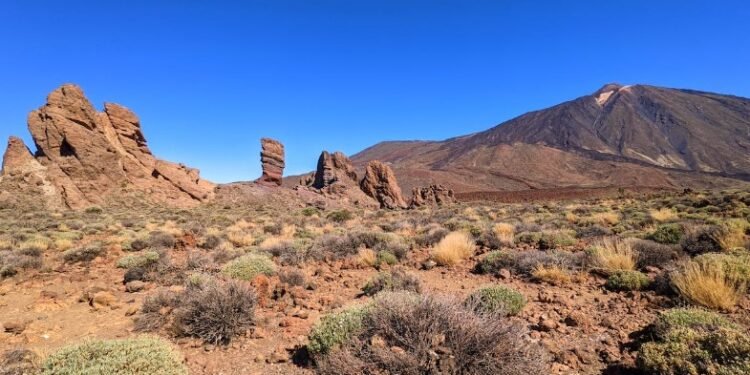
135 286
15 327
433 195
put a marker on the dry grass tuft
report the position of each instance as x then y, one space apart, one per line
505 232
708 285
239 239
611 255
552 274
454 248
663 215
367 257
605 218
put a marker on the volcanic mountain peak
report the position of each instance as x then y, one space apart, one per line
666 130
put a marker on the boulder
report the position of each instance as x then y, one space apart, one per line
433 195
272 160
333 168
89 155
380 183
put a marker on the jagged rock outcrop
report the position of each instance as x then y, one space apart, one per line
89 155
272 160
22 173
380 183
433 195
333 168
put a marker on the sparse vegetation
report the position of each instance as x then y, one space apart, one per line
497 299
707 284
454 248
135 356
247 267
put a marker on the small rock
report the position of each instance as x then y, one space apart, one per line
104 299
429 264
504 274
135 286
15 328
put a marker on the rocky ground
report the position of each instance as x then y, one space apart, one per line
586 327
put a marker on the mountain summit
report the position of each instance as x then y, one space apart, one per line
617 136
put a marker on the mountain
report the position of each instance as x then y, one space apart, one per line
634 135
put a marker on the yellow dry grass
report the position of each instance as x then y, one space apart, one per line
611 255
240 239
554 275
63 244
662 215
708 285
367 257
606 218
35 243
733 234
504 232
453 248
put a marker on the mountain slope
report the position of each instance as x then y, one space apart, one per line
618 136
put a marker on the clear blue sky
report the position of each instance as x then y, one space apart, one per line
209 78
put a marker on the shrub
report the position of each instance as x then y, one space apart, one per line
215 311
552 274
593 231
392 281
211 242
494 261
432 336
627 280
667 234
138 244
610 255
13 261
430 235
142 260
732 234
692 318
19 362
340 216
137 356
736 264
83 254
334 329
497 299
708 285
454 248
385 257
653 254
161 240
247 267
292 277
554 239
701 239
690 341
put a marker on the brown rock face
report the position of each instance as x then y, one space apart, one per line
433 195
89 155
272 158
17 157
333 168
380 183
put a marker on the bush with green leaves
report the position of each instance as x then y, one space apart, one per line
140 260
627 280
497 299
693 341
248 266
392 281
83 254
138 356
340 216
19 362
423 328
735 263
494 261
667 234
334 329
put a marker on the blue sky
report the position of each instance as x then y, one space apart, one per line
209 78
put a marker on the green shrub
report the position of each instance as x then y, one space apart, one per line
137 356
247 267
689 318
494 261
667 234
340 216
309 211
83 254
142 260
736 264
497 299
392 281
694 341
688 351
334 329
627 280
385 257
554 240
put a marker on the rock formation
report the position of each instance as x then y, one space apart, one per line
433 195
333 168
380 183
272 159
89 155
